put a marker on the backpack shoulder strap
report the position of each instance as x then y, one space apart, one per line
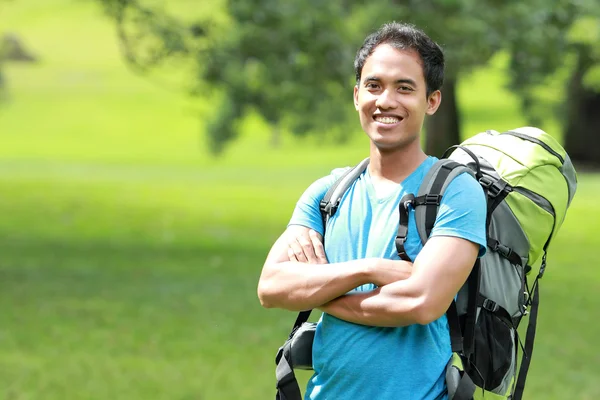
332 198
431 191
430 195
287 384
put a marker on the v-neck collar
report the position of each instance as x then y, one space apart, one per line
372 193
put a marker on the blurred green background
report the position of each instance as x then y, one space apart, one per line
130 252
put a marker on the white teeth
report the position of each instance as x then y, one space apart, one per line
387 120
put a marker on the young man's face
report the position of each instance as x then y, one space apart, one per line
391 97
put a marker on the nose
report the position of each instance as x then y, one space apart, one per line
386 100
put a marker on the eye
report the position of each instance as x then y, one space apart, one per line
406 89
371 85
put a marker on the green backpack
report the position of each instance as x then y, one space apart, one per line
529 182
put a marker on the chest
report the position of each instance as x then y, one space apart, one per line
365 225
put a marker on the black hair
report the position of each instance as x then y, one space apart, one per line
403 36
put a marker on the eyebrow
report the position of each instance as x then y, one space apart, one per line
405 80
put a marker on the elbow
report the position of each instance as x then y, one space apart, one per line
265 295
426 311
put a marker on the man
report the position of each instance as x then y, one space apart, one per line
383 333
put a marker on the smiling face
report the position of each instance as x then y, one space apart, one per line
391 98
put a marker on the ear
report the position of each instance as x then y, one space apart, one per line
433 102
356 97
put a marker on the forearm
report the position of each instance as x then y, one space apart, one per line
298 286
438 273
302 286
383 307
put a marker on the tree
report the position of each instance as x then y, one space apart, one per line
567 33
583 119
12 50
292 61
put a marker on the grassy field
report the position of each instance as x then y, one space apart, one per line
129 257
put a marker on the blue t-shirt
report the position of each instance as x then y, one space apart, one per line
354 361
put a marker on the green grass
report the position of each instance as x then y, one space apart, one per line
129 257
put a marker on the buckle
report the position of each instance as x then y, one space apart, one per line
494 190
329 208
486 181
400 240
503 250
323 205
433 199
490 305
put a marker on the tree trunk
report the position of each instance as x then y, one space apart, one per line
582 132
443 128
275 139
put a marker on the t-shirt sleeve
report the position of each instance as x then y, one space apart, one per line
307 211
462 212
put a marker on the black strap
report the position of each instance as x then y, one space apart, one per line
433 198
466 388
287 384
300 319
529 339
471 314
450 149
456 337
505 251
405 204
430 200
495 308
496 190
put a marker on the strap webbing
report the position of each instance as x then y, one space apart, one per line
450 149
504 251
456 338
331 201
471 314
493 307
434 192
466 388
300 319
529 339
405 204
287 384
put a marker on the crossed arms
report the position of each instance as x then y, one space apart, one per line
407 293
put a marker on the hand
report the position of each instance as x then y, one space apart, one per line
307 247
383 271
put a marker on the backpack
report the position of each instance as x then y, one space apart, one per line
529 182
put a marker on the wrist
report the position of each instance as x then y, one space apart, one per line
367 269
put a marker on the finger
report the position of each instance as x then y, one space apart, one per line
297 250
308 248
318 246
291 255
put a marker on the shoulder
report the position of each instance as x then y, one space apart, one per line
467 187
319 187
463 210
307 211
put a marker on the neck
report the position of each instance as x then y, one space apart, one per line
397 164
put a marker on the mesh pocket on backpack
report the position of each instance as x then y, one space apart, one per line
494 351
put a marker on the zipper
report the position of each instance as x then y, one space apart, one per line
536 141
536 198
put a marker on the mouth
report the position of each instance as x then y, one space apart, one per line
387 120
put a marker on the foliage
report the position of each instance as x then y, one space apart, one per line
563 28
